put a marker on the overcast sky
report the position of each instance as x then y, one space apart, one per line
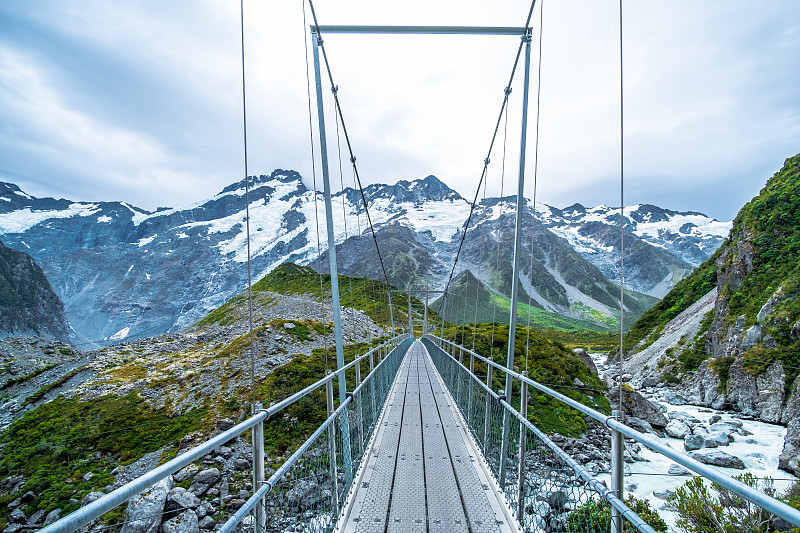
141 101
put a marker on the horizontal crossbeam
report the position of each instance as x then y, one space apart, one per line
430 30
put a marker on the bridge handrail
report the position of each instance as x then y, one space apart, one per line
257 496
772 505
85 515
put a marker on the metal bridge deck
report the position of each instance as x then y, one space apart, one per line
423 473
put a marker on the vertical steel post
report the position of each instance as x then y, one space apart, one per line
425 316
489 399
326 183
523 410
410 320
258 470
512 324
617 472
444 312
469 402
360 407
332 446
372 384
337 316
391 312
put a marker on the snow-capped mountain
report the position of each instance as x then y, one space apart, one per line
123 271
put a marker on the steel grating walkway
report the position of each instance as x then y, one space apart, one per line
423 473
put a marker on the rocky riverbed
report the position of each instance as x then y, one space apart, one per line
731 441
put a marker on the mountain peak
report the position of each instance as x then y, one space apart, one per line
279 175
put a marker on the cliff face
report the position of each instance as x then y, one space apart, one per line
28 305
745 355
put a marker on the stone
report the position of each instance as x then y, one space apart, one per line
143 514
36 517
720 459
674 398
714 419
678 470
180 498
703 388
790 455
17 517
642 426
91 497
186 472
760 396
225 424
677 429
693 442
87 476
203 480
30 496
634 404
288 325
241 464
557 500
305 493
663 494
224 451
52 516
206 523
719 437
186 522
586 358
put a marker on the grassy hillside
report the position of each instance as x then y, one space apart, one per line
547 361
761 256
365 294
470 301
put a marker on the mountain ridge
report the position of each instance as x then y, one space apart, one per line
147 272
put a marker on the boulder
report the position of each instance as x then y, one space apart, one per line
790 456
642 426
305 493
206 523
204 480
720 459
634 404
52 516
225 424
703 388
180 498
760 396
186 472
693 442
677 429
143 514
678 470
17 517
91 497
186 522
586 358
719 438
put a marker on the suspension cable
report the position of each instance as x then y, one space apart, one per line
535 177
247 218
314 178
621 214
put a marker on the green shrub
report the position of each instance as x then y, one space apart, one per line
595 517
701 508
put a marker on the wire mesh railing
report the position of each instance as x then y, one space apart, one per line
307 491
546 487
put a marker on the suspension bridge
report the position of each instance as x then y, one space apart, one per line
422 442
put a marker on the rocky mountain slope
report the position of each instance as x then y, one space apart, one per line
28 305
741 348
76 424
125 272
